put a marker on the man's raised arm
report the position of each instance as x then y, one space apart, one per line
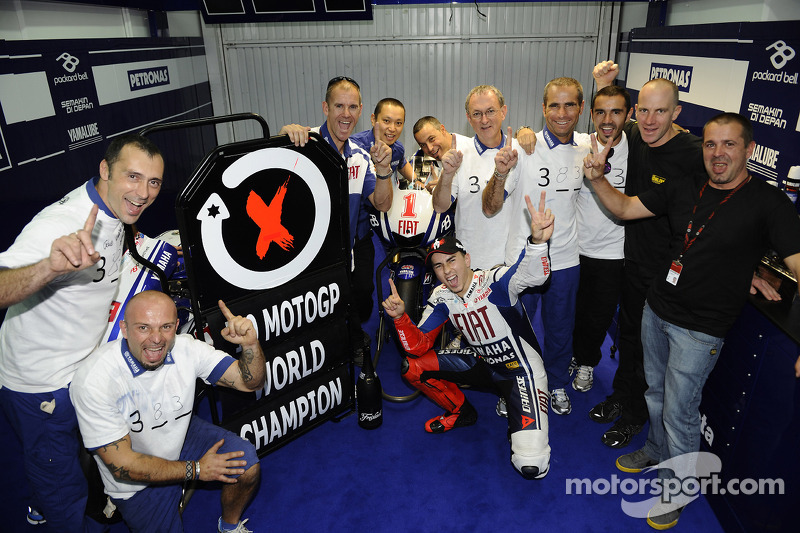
494 194
442 193
623 207
69 253
604 73
248 372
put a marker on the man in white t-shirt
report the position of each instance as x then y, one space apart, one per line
555 167
61 275
601 237
466 169
134 398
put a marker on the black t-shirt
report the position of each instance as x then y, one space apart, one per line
718 267
679 159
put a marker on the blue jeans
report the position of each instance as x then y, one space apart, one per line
558 319
677 362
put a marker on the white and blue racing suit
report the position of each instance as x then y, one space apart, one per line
502 351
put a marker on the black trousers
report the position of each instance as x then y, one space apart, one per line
598 295
629 382
362 285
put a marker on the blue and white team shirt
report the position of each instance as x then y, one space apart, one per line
114 396
601 235
360 177
366 140
556 168
483 237
45 337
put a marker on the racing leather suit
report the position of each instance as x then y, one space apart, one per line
503 351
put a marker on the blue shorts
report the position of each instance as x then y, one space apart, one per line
155 508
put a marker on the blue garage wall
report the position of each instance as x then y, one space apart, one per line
62 101
749 68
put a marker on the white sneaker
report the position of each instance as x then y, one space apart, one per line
501 408
559 402
35 517
454 344
584 378
573 364
239 527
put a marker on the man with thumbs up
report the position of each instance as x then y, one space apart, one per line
554 167
466 169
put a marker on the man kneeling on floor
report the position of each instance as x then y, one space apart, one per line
134 400
503 352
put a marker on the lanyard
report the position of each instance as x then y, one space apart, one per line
687 242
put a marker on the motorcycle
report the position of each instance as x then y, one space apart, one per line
406 230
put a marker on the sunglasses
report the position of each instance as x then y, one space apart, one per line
607 168
337 79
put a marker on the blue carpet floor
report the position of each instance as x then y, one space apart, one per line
398 478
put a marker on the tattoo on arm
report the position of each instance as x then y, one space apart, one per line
227 383
120 472
114 444
244 365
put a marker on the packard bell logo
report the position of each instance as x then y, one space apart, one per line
69 62
268 219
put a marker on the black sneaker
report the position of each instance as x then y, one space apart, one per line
620 434
606 411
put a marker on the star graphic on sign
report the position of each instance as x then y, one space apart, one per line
213 211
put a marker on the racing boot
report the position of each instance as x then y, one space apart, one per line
465 416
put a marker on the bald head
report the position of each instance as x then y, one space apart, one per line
656 111
150 326
146 300
663 84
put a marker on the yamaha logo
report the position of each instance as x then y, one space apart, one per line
250 236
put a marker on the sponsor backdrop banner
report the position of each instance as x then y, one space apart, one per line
62 101
750 68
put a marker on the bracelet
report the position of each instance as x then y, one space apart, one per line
189 471
516 133
386 177
197 469
501 177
